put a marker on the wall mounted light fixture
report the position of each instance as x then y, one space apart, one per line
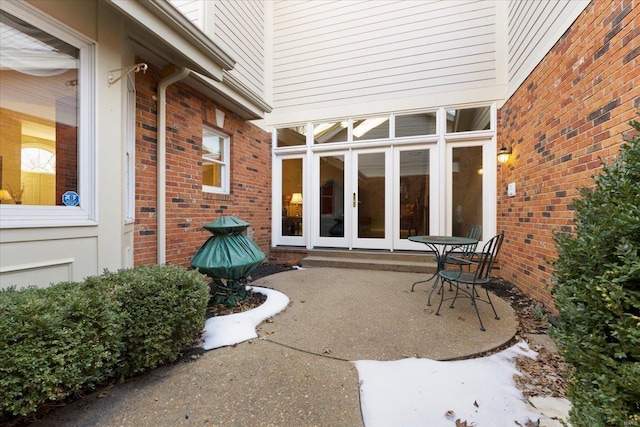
504 154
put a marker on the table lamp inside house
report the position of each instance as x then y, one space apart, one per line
5 195
296 199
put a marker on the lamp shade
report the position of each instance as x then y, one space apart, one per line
503 155
5 195
296 199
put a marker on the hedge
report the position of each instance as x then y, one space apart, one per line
163 309
70 337
597 293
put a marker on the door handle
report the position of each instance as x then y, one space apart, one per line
355 200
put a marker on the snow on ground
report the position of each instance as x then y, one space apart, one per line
424 392
220 331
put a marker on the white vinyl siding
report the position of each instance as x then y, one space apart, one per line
240 31
238 27
192 9
328 53
534 27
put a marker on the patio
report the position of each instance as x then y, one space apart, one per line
363 314
300 371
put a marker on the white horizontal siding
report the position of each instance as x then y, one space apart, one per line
192 9
238 27
328 52
534 27
240 31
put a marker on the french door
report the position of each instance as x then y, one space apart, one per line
352 210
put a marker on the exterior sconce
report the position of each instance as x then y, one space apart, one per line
504 154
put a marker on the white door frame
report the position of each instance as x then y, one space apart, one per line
372 243
276 225
488 185
333 241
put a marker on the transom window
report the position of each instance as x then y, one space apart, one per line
215 161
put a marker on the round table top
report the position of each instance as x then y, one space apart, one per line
443 240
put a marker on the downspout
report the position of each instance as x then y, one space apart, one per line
161 209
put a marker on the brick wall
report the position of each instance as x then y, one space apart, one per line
188 208
571 111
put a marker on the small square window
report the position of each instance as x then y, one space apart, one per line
468 119
215 161
293 136
416 124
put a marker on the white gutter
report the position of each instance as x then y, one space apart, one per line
161 209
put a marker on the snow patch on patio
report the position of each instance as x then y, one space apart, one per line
220 331
424 392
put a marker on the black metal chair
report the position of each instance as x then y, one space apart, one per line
478 274
464 254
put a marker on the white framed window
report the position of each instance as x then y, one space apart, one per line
215 161
47 80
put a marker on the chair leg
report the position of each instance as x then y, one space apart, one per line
475 305
455 297
491 304
441 296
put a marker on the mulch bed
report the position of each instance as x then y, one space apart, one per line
253 299
544 376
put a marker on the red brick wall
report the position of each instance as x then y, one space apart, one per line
188 208
570 112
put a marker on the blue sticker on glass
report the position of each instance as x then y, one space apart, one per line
70 198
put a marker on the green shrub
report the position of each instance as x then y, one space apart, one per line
63 340
163 311
55 342
597 293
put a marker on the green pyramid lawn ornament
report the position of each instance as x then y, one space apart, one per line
228 257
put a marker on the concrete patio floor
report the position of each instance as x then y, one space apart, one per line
299 372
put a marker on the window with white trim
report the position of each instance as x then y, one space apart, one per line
47 145
215 161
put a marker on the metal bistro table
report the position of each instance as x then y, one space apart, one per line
441 247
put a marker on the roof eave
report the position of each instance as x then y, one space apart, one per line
175 32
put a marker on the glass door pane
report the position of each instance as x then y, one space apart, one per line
331 204
371 196
466 194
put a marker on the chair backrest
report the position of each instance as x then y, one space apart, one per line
487 258
474 232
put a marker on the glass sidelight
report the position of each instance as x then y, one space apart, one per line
292 197
467 191
413 193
